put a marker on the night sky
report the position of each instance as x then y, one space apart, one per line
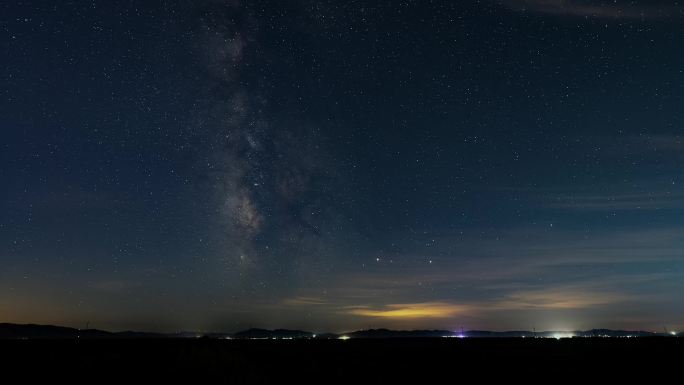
337 165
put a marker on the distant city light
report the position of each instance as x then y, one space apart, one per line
673 333
562 335
343 338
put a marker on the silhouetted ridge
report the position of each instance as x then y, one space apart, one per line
14 331
30 331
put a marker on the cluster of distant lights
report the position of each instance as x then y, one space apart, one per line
556 336
559 336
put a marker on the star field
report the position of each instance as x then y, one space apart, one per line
326 165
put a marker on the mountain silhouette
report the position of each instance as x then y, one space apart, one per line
32 331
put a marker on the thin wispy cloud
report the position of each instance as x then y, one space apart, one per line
597 9
298 301
558 298
661 142
619 202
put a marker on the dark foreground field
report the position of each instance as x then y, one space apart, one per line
352 361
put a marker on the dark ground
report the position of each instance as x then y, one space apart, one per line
438 360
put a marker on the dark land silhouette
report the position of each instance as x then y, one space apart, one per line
48 353
31 331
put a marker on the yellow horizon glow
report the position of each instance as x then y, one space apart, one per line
411 310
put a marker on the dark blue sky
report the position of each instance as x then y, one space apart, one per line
327 165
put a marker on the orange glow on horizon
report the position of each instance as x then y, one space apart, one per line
412 310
